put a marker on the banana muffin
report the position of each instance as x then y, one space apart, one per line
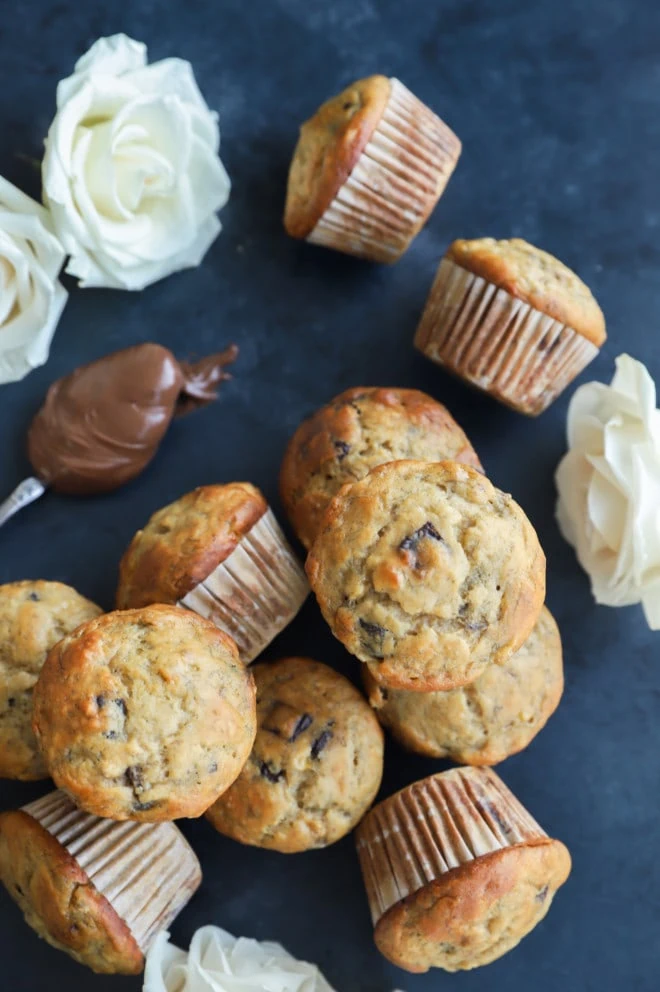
488 720
145 714
456 870
359 429
316 764
96 889
368 169
220 552
512 320
34 616
427 573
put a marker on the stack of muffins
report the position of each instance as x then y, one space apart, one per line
429 575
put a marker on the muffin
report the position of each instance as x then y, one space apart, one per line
220 552
456 871
490 719
98 890
359 429
316 763
368 169
427 573
34 616
512 320
145 714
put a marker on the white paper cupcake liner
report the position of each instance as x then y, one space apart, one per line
395 184
499 343
146 871
255 592
433 826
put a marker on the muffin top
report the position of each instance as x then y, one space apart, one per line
485 722
475 913
184 542
34 616
427 573
145 714
316 763
359 429
328 149
536 277
60 902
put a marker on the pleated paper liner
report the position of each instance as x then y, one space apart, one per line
499 343
256 591
146 871
433 826
395 184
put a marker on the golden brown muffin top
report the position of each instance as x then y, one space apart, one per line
184 542
34 616
537 278
60 902
316 764
488 720
145 714
427 573
475 913
361 428
328 149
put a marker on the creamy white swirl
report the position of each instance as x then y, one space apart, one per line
131 172
609 488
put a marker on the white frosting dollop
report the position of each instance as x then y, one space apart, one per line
219 962
131 172
609 488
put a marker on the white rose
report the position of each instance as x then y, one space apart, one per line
218 962
31 295
131 171
609 488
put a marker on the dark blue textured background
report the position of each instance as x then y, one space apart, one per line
558 107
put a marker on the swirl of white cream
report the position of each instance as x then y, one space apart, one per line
219 962
609 488
131 171
31 295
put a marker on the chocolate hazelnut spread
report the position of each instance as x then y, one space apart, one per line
101 425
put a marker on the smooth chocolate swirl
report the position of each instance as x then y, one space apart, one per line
102 424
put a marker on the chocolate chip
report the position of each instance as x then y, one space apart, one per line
122 706
269 773
100 702
302 724
134 777
426 530
141 807
110 735
342 449
11 702
321 742
541 895
33 596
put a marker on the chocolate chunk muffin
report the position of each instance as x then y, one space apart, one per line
220 552
34 616
456 870
359 429
427 573
488 720
316 763
145 714
368 169
512 320
81 881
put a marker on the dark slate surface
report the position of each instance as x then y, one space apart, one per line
558 106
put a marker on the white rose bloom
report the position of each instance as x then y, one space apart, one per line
609 488
131 171
218 962
31 295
